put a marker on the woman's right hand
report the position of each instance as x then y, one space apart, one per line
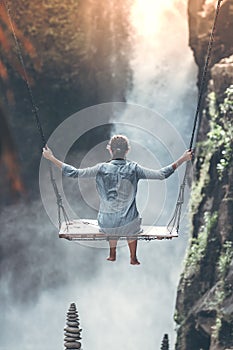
188 155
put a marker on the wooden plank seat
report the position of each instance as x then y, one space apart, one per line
88 230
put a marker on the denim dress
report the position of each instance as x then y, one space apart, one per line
116 184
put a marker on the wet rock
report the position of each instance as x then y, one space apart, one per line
77 54
204 311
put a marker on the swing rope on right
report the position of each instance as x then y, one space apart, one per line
174 223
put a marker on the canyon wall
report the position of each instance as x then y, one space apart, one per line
76 55
204 306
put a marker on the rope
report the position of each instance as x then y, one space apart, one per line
35 111
205 70
60 207
175 220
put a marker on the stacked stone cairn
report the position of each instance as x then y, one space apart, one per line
165 343
72 330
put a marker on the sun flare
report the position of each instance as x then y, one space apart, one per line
145 14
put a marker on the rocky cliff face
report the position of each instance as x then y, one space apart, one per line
76 55
204 306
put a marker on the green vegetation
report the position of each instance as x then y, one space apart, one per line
225 259
221 292
221 132
195 255
198 245
178 318
216 328
198 186
219 139
214 157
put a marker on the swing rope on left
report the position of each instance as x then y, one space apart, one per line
35 110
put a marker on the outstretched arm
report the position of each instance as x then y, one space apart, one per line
48 154
69 170
161 174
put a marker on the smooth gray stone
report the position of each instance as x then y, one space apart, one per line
73 345
69 339
72 335
71 315
72 324
72 329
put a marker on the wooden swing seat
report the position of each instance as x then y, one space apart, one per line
88 230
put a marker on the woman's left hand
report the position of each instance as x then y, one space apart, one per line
47 153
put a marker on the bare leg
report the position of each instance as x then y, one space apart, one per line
112 252
133 252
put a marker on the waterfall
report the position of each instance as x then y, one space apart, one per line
164 75
162 100
121 306
158 117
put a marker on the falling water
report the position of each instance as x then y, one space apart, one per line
120 306
164 74
163 65
164 84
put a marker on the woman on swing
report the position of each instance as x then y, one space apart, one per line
116 183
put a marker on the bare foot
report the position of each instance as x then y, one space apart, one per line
111 258
112 254
134 262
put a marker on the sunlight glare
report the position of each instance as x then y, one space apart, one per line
146 13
